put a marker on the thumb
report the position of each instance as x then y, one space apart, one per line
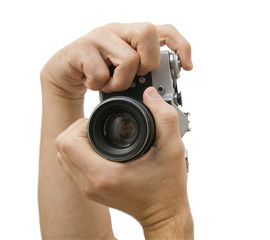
166 117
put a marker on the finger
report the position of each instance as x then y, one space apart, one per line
75 145
72 141
84 166
168 35
75 174
86 59
126 61
62 135
119 53
95 69
166 117
144 38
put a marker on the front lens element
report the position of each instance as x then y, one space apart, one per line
121 130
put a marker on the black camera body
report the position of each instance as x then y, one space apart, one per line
121 127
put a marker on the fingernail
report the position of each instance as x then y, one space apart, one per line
152 92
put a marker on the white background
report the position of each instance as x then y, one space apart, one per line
227 94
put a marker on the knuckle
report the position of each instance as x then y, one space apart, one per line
176 151
170 27
101 184
102 31
81 120
148 29
112 25
133 58
66 145
97 79
91 84
57 143
59 158
105 184
172 115
87 190
172 30
102 75
169 115
95 33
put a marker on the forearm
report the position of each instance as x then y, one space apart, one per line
64 212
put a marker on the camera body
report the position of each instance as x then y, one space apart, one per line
164 80
122 128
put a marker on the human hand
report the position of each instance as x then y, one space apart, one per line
153 188
131 48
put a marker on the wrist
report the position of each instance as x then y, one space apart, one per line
61 78
179 227
52 85
58 106
171 222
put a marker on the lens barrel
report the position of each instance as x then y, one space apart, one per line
121 128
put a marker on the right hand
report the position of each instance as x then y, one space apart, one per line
152 188
132 48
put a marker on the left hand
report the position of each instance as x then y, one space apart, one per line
132 48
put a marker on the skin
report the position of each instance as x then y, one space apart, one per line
74 193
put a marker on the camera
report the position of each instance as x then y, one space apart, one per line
121 127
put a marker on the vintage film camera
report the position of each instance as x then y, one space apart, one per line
121 127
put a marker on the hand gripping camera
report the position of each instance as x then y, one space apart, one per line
121 127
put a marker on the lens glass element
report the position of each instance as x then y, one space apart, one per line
121 130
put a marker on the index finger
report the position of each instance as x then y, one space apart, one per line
143 37
169 35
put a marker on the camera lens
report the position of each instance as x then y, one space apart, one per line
121 128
